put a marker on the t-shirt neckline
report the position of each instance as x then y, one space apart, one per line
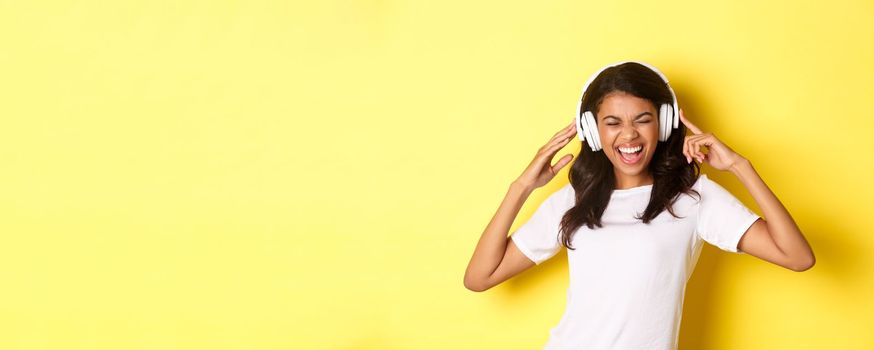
642 188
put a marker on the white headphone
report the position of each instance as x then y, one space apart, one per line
669 115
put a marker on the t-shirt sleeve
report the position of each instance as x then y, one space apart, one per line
722 218
538 237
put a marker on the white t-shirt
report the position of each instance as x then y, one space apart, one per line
627 278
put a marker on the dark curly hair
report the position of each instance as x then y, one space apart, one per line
592 175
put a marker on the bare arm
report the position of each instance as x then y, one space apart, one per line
776 239
496 258
491 250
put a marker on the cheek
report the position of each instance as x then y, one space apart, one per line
653 128
607 133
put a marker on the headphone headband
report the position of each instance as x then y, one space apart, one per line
676 118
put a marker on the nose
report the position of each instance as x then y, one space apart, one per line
628 133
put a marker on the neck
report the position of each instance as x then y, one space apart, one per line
626 181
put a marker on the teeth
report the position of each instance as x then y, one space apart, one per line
630 150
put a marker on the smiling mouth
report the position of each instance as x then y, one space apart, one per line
630 158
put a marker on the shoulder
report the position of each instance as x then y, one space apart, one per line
702 186
706 184
714 193
560 199
565 197
701 182
565 192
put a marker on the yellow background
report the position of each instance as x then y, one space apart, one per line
315 175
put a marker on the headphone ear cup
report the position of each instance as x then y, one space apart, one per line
592 128
580 133
669 120
662 121
672 116
587 132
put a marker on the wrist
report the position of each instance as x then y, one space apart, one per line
522 186
740 165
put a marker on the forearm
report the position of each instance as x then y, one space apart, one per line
492 244
782 228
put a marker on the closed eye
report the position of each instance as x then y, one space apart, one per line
643 121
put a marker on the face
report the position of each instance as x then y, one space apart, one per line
631 123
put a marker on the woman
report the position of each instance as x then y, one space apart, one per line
633 216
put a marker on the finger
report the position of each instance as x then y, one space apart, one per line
708 142
563 142
688 160
561 163
563 133
549 150
688 124
697 143
700 152
572 129
565 136
685 150
690 143
689 146
559 134
695 150
565 129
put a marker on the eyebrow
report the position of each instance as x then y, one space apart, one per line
638 116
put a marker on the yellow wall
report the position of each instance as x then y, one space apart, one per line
315 175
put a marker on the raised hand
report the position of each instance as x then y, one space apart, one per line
539 172
720 156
